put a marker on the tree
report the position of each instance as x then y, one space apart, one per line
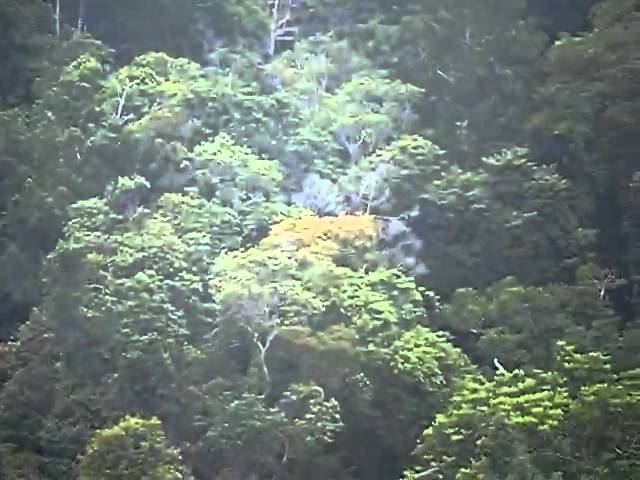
90 126
25 43
43 149
538 425
190 29
296 239
135 448
520 325
101 300
586 119
175 317
474 64
508 217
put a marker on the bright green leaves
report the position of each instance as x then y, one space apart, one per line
275 342
608 411
309 263
308 272
606 408
482 415
128 286
386 181
532 422
134 448
382 302
314 66
362 115
335 109
428 357
151 84
239 180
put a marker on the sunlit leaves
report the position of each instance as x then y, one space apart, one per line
134 448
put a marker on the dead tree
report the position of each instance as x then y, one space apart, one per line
281 11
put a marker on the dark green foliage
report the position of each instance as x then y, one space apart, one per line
555 18
186 29
509 217
25 26
218 213
520 325
597 125
145 312
102 299
476 63
88 128
44 148
587 118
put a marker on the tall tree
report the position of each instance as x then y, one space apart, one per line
586 118
25 39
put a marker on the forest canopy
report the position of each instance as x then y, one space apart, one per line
318 239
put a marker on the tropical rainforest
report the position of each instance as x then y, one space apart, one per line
319 239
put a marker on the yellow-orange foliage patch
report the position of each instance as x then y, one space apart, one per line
323 235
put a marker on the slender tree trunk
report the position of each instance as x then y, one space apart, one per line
82 27
57 18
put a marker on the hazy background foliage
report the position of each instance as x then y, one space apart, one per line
277 239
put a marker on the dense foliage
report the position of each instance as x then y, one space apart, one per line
278 240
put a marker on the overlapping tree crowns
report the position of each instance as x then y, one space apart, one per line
90 127
390 179
155 285
26 27
308 264
146 118
44 146
325 114
607 104
540 423
594 134
430 357
484 415
474 226
315 289
478 227
244 435
520 325
127 287
260 332
362 115
328 107
474 65
189 29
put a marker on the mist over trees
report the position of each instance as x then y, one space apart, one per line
318 239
